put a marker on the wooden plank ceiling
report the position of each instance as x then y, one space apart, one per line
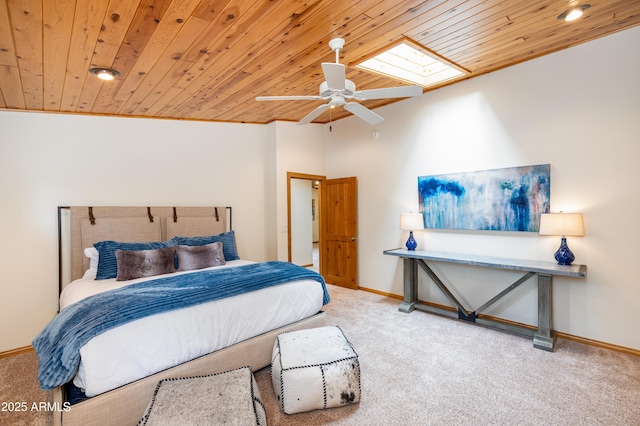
208 60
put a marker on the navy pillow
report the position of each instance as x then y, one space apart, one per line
228 240
107 263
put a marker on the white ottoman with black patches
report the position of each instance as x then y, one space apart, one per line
314 369
229 398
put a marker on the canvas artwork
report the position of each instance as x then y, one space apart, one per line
510 199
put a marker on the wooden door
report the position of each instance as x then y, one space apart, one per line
339 264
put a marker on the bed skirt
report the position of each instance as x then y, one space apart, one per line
126 405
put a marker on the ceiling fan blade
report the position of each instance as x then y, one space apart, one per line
363 112
288 98
313 114
334 75
389 92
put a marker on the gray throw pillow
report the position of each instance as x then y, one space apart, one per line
134 264
198 257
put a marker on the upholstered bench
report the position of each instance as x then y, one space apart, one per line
314 369
225 398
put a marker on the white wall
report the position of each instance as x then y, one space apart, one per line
578 110
271 191
50 160
299 149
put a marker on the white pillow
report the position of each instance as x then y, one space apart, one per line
92 254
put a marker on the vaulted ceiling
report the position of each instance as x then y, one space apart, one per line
208 59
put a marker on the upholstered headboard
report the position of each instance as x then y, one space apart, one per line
80 227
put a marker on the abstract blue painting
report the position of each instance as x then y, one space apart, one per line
510 199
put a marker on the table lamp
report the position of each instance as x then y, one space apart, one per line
563 224
410 222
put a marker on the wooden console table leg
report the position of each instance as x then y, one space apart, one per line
410 272
544 337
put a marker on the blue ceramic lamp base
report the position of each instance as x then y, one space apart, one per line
411 242
564 255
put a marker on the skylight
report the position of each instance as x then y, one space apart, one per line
409 62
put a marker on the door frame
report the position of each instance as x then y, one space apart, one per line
305 176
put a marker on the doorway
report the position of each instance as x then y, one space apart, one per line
303 219
336 214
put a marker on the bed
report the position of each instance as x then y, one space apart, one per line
119 368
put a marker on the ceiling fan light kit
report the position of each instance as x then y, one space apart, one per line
339 91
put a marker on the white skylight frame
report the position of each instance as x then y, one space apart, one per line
409 62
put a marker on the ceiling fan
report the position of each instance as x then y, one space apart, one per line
338 91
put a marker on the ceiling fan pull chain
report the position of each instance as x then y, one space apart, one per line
330 126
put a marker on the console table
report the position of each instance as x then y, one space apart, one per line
543 337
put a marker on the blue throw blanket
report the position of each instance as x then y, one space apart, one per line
58 345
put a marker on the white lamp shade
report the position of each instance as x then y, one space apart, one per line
564 224
411 221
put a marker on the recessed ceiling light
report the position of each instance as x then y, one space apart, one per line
407 61
574 13
104 73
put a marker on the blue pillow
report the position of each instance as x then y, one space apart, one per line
107 264
228 240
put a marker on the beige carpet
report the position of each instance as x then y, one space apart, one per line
19 391
422 369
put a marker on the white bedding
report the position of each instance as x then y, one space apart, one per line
148 345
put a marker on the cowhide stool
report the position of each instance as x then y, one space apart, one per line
314 369
229 398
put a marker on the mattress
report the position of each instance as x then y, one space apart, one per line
151 344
